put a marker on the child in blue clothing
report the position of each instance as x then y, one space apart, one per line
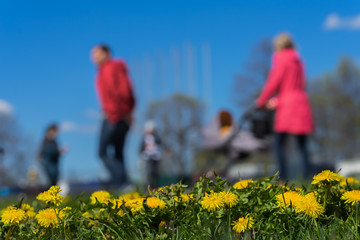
50 153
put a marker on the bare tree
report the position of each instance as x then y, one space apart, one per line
16 151
250 81
336 105
179 121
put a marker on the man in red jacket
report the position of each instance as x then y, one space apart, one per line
114 90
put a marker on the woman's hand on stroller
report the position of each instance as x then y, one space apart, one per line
272 103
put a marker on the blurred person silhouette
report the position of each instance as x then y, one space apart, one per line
115 94
285 91
50 152
150 151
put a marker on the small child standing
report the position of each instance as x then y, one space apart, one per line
151 153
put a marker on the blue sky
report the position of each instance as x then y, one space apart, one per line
46 75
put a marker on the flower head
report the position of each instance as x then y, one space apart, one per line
212 201
184 198
243 184
29 211
243 224
121 213
65 212
351 196
115 203
326 176
51 196
348 181
164 188
135 205
230 199
162 224
287 199
48 218
128 196
309 206
155 202
100 196
13 215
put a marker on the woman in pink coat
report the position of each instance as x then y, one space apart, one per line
285 91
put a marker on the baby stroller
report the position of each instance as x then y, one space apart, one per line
238 141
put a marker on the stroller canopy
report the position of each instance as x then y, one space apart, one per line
222 132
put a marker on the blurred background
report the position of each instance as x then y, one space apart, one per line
187 60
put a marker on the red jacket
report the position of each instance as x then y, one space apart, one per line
287 80
114 90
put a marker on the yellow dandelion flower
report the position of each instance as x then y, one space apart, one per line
155 202
48 218
54 189
243 224
129 196
162 189
284 187
162 224
65 212
116 203
287 199
351 196
13 215
212 201
51 196
135 205
348 181
313 195
326 176
100 196
89 216
121 213
29 211
184 198
230 199
243 184
86 215
26 207
309 206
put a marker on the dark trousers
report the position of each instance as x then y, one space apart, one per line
280 144
152 172
111 149
52 171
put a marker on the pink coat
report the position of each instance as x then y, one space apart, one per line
287 80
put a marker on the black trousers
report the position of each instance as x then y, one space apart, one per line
111 149
152 172
280 144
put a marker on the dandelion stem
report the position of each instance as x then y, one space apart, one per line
357 219
317 227
9 232
214 225
229 222
325 198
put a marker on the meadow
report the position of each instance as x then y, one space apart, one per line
212 209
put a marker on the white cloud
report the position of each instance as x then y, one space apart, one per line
6 108
69 126
93 113
334 21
